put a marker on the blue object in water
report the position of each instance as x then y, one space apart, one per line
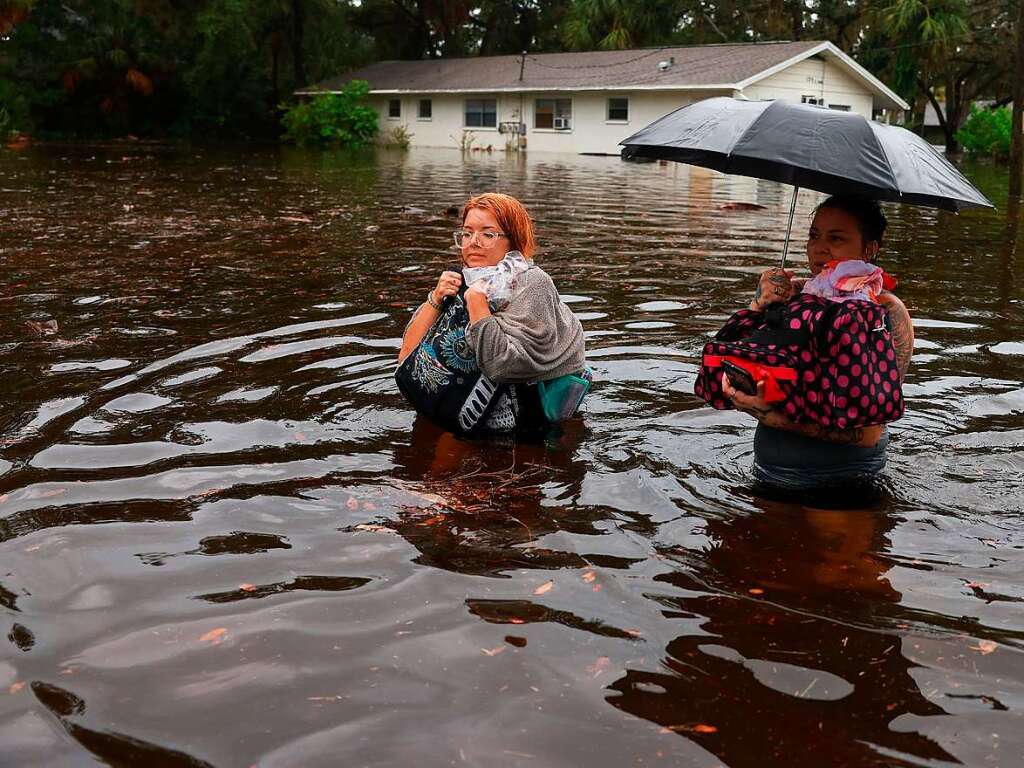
561 397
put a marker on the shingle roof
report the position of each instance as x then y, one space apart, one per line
694 67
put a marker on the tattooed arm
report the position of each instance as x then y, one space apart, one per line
756 406
902 330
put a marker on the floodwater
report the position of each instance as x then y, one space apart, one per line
225 540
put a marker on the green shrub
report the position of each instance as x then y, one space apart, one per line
987 132
332 118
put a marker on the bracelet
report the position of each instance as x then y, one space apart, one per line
430 300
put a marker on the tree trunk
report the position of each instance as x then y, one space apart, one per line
796 15
1016 139
274 92
952 122
298 32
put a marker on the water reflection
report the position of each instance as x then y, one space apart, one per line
487 504
792 664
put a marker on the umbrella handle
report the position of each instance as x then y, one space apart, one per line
789 228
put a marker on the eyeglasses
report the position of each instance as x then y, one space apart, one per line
486 238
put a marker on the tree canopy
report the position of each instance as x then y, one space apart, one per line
209 67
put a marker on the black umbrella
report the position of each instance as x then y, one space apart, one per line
807 146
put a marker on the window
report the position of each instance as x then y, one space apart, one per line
840 107
553 113
394 108
812 100
481 113
426 109
618 110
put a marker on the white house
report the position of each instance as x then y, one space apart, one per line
588 102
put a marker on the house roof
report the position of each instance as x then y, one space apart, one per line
696 67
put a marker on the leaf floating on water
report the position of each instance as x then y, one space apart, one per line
755 591
494 651
16 687
589 576
544 588
247 587
690 728
214 636
985 647
352 503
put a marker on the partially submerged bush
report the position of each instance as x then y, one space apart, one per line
332 118
987 131
396 137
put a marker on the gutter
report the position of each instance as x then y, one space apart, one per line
536 89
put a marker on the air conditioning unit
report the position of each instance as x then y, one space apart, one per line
562 124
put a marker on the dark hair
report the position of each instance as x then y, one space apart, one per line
868 213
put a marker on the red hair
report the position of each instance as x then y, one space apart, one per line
511 216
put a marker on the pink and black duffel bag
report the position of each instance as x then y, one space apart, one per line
827 362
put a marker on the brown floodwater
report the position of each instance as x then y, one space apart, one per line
226 540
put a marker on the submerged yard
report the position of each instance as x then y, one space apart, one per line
225 540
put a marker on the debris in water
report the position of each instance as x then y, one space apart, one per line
43 327
214 636
985 647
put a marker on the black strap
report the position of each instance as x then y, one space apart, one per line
777 330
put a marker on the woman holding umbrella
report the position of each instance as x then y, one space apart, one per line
806 454
834 152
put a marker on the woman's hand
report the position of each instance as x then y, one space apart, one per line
479 287
774 285
427 313
476 302
447 285
755 405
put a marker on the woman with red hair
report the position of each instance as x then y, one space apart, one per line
494 348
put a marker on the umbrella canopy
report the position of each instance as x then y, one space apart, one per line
807 146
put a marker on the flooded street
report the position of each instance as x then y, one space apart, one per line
226 540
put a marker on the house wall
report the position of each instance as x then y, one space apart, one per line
591 131
815 77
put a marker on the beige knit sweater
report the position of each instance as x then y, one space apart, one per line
535 338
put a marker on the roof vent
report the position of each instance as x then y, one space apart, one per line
666 64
